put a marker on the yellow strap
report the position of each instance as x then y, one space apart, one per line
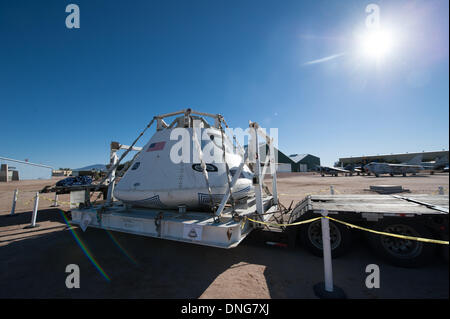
283 225
426 240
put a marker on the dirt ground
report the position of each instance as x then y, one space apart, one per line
33 261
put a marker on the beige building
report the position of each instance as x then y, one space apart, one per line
7 174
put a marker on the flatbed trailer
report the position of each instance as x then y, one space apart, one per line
416 215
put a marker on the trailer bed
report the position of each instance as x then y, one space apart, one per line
191 227
382 204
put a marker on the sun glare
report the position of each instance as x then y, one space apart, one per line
377 44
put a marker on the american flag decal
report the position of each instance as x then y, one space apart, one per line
156 146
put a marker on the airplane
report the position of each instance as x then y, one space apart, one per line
412 166
354 169
438 164
155 180
334 171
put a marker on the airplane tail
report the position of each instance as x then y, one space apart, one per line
440 162
417 160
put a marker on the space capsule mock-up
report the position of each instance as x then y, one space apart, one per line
169 170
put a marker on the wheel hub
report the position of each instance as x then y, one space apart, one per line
315 235
400 247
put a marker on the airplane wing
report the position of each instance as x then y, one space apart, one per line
335 169
406 165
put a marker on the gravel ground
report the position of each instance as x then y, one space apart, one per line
33 261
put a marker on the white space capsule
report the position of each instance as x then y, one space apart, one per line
160 177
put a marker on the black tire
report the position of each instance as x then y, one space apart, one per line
402 252
444 253
311 237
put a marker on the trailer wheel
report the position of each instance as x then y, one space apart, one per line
311 238
402 252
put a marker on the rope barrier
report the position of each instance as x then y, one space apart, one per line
31 200
426 240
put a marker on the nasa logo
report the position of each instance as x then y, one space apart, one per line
192 233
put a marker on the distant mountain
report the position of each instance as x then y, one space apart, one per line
96 167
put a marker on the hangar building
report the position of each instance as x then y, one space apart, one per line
292 163
304 162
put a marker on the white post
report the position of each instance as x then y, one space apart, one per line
35 209
331 190
258 187
13 208
55 201
441 190
327 252
273 171
113 160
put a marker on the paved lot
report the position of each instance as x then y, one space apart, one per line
33 261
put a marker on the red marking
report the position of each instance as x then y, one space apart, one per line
156 146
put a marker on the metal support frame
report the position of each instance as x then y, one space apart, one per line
114 159
270 159
187 114
259 173
259 177
273 172
202 163
226 196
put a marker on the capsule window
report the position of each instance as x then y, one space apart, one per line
135 166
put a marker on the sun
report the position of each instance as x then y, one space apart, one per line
377 44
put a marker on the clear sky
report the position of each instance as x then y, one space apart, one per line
65 94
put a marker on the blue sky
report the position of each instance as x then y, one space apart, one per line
66 94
